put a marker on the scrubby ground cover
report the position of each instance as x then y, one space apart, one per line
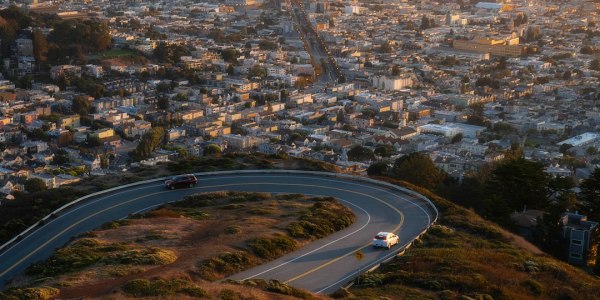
181 249
467 257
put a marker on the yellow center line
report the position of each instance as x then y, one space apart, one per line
353 251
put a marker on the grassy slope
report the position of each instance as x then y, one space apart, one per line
465 255
178 250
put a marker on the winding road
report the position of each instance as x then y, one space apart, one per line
322 266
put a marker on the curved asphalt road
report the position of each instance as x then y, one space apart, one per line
322 266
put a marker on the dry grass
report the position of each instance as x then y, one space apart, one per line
466 256
175 251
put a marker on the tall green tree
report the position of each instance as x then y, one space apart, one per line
162 102
40 46
212 149
149 142
379 168
257 71
360 153
418 169
80 105
384 150
515 184
590 195
34 185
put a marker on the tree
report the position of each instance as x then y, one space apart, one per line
396 70
379 168
212 149
34 185
61 157
386 48
162 102
161 52
360 153
217 35
590 195
40 46
257 71
561 195
425 22
457 138
149 142
595 64
80 105
384 150
516 183
163 87
587 49
25 82
267 45
564 148
418 169
533 34
104 162
230 55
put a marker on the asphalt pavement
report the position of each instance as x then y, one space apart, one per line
322 266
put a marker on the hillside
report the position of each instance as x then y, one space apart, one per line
466 257
181 249
463 256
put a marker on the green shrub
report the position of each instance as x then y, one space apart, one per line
270 248
149 256
228 294
323 218
81 254
225 264
284 289
161 288
533 286
195 291
233 206
233 229
36 293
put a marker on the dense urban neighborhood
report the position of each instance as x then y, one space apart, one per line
380 88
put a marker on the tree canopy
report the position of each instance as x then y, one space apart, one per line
418 169
590 195
517 183
212 149
360 153
80 105
34 185
150 141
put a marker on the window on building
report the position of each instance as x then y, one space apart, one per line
576 242
575 255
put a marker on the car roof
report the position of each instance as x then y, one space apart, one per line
383 233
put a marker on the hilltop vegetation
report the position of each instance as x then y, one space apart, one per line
464 256
182 248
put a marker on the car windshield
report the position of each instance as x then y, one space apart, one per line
380 237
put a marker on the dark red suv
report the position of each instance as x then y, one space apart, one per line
180 181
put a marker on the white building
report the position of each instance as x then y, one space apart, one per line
391 83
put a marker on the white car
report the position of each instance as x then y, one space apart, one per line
385 240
